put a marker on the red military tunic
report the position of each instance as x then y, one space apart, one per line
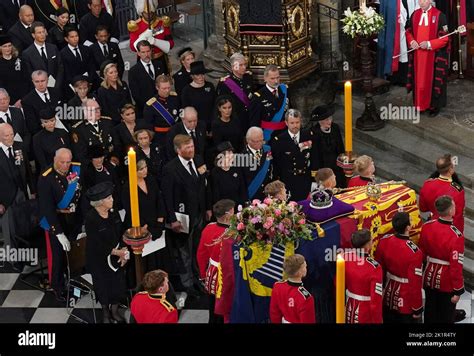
208 254
363 289
443 245
424 59
433 188
402 263
136 28
359 181
291 303
153 309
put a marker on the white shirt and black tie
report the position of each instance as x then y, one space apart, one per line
44 96
273 91
105 50
8 152
6 117
149 69
295 138
42 51
76 52
189 166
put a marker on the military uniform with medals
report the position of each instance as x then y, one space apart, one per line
85 134
61 214
156 120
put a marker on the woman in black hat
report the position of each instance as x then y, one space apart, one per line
13 76
225 126
50 139
106 254
99 169
55 34
113 93
200 94
227 180
183 77
327 142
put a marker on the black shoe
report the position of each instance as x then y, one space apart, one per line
434 112
60 295
459 315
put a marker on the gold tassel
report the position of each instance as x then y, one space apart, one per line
320 231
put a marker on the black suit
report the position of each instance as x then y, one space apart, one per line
9 13
179 129
142 85
114 55
20 36
19 125
74 66
33 61
187 194
32 105
14 176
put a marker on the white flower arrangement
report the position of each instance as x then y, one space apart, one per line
364 22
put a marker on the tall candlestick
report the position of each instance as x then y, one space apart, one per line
348 115
340 289
132 177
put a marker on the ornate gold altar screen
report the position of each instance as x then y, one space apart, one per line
285 41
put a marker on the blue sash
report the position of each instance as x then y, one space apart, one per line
163 112
260 176
68 195
267 133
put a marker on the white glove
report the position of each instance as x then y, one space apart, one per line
81 235
64 242
142 37
161 44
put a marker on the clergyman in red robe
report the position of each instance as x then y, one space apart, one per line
428 64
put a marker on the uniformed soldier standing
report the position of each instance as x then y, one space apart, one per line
156 30
402 263
59 191
94 130
363 282
291 152
444 182
291 302
443 246
162 111
239 85
269 105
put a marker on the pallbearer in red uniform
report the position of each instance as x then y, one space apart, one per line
444 182
428 65
402 263
154 29
209 251
291 302
151 306
365 166
443 246
363 282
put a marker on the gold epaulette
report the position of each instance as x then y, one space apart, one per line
77 124
314 173
48 171
167 305
76 163
224 78
132 26
257 93
106 117
151 101
173 93
166 21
